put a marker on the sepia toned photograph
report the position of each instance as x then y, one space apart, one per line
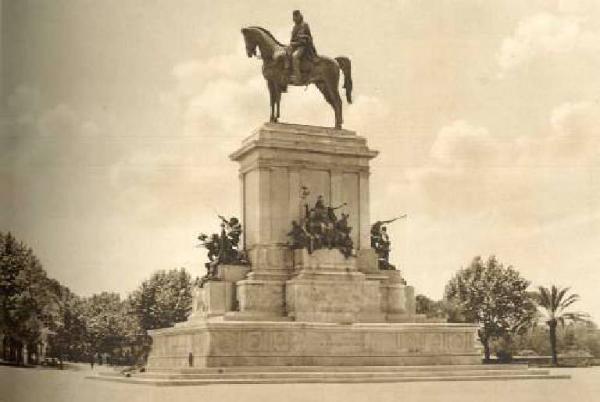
267 201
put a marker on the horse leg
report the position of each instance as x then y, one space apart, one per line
335 101
278 102
277 89
323 88
335 96
272 101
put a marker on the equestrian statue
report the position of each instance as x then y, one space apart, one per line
298 64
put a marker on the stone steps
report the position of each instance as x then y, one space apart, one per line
257 369
358 374
376 374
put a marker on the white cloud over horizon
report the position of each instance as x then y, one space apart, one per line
547 33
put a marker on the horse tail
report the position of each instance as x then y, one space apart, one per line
346 67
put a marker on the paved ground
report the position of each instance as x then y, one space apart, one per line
50 385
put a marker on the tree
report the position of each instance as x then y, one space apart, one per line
28 306
424 305
493 296
161 301
534 339
438 309
105 326
68 338
554 303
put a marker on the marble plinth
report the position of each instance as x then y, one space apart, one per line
226 344
219 296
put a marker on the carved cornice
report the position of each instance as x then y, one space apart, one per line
291 138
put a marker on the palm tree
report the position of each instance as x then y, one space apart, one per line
554 302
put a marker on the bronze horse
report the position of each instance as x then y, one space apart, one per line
322 71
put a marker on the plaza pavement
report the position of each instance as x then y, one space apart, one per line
51 385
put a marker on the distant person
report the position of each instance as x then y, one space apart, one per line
92 361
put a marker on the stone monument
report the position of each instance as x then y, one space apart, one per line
297 306
302 289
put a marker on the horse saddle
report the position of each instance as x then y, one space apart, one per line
307 63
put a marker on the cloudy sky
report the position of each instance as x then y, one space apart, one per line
118 117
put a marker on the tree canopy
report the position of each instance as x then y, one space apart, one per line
162 300
27 301
493 296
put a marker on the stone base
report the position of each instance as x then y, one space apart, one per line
217 296
228 344
214 299
327 288
232 273
261 297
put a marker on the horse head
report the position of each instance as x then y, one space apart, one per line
263 39
250 41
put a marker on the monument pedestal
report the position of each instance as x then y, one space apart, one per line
227 344
291 307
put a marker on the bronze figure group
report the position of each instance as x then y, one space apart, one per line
321 228
223 248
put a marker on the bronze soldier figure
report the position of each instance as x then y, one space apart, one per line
380 242
212 245
233 228
299 237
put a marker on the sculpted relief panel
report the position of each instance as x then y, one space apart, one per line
334 343
225 342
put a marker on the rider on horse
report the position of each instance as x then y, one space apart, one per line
301 46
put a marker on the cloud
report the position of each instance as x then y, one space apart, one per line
462 174
24 102
470 171
464 144
573 139
60 120
544 34
36 134
576 7
576 128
